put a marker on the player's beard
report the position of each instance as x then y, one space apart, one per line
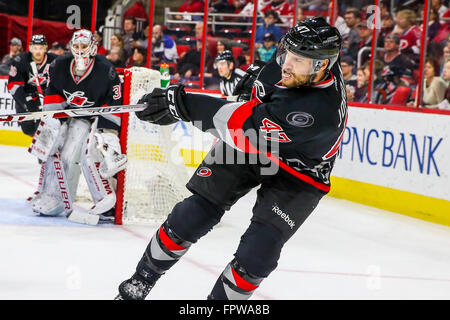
295 80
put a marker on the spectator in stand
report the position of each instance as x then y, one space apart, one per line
115 58
434 87
137 10
434 25
339 22
314 5
117 41
410 34
57 48
351 42
189 65
223 45
282 7
365 36
445 104
268 49
398 68
347 66
270 18
248 9
211 46
100 48
300 15
191 6
129 34
445 56
15 48
442 36
139 57
243 61
387 26
439 7
221 6
362 81
164 48
237 5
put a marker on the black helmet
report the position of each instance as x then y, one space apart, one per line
226 55
38 39
311 38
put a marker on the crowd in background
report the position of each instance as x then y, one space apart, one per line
396 60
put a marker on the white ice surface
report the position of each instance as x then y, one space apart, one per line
343 251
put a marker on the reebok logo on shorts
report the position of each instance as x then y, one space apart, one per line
283 216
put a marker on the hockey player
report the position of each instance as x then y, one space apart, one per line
82 79
229 75
26 85
298 102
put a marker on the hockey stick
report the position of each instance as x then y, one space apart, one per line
36 79
69 113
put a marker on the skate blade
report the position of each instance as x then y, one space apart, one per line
84 218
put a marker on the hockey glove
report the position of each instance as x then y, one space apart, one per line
244 87
164 106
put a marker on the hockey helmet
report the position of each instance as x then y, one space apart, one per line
83 47
311 39
38 39
226 55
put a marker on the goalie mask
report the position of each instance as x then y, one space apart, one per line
84 48
305 47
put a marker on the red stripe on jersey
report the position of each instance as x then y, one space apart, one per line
301 176
325 83
241 283
236 123
337 145
53 98
168 242
15 83
235 126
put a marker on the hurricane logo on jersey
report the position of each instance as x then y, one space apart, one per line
204 172
77 99
41 79
300 119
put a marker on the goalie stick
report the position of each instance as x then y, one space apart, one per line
69 113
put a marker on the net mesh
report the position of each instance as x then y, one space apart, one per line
155 177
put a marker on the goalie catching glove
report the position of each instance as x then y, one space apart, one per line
164 106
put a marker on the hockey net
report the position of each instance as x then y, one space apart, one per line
155 177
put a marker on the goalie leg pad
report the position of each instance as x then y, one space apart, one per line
50 201
102 190
77 133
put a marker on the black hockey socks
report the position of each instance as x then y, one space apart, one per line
235 283
163 251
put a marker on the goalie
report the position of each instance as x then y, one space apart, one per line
82 79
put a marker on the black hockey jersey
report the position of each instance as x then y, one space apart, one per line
98 86
22 81
301 128
227 85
